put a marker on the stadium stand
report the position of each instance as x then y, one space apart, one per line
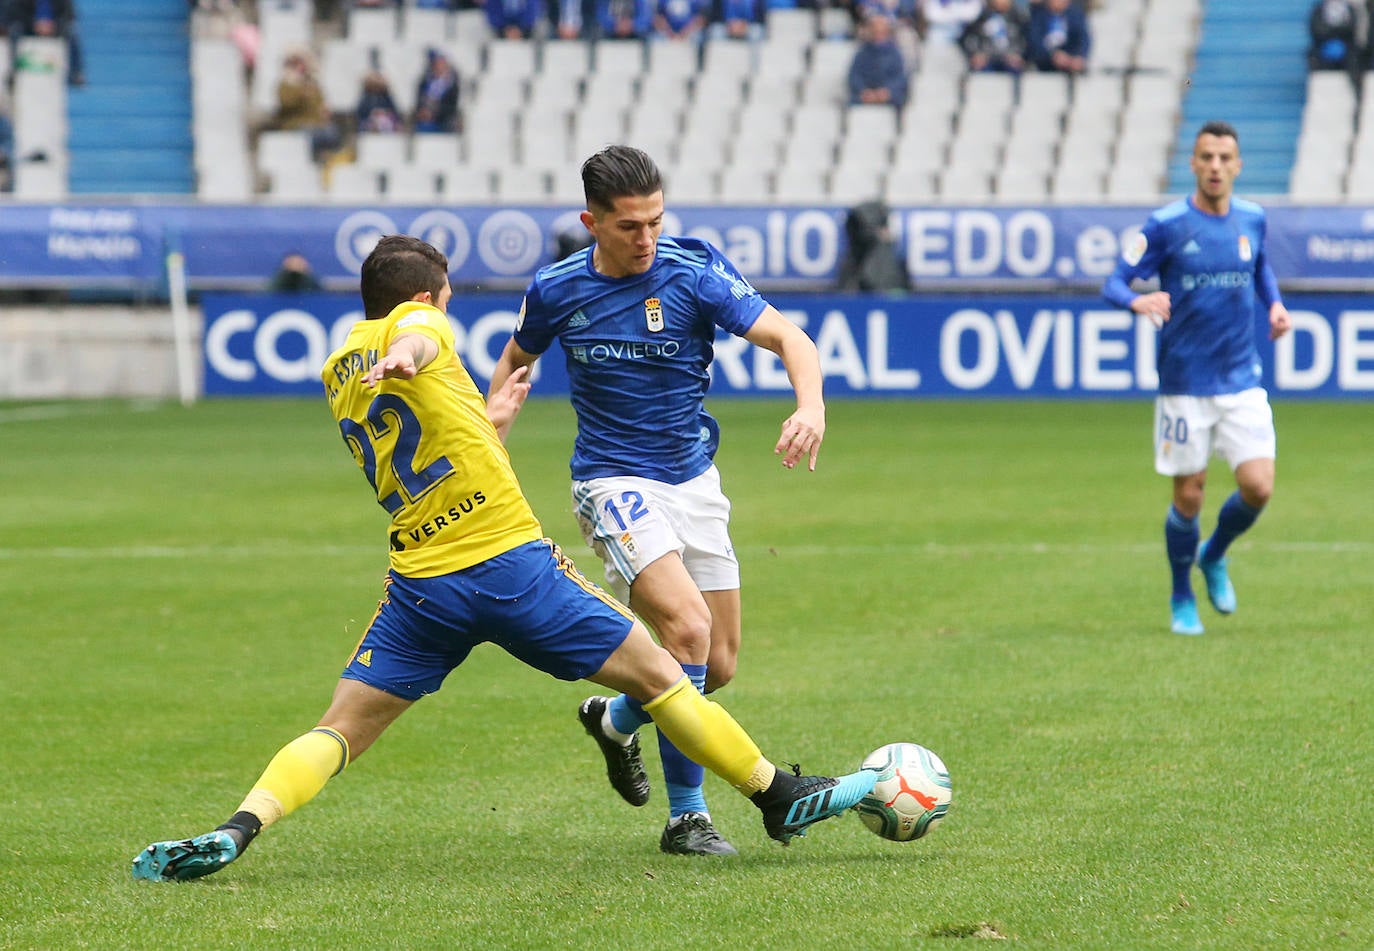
145 123
1250 70
130 124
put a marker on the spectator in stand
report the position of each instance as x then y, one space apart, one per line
513 19
377 110
624 19
738 19
681 19
1335 30
436 100
294 276
907 24
570 19
1059 39
301 105
46 18
996 41
877 74
945 19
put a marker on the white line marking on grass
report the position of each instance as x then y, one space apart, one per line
70 409
294 550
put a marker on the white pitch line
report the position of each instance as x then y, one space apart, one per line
294 550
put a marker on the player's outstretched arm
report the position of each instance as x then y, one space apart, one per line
504 404
803 431
513 360
407 356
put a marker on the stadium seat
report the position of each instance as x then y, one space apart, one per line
408 185
284 150
382 150
294 184
523 184
782 56
463 184
510 62
745 184
569 60
353 184
618 60
801 184
435 151
608 90
565 185
909 187
671 61
365 26
1019 183
850 186
826 80
794 26
966 185
872 125
423 27
690 184
544 135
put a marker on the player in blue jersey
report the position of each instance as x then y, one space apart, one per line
636 316
468 564
1208 251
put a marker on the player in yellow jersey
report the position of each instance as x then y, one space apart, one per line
469 564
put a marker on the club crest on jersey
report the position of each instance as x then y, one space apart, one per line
1136 249
653 314
1245 253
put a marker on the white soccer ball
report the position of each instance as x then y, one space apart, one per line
912 793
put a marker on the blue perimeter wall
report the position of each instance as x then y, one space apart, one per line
1026 345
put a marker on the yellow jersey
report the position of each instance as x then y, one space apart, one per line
428 449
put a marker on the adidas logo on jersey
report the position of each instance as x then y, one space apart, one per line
1191 248
578 319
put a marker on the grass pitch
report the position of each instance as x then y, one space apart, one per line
988 579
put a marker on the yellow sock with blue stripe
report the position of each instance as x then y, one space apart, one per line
707 734
296 774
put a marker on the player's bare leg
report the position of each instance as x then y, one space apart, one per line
357 715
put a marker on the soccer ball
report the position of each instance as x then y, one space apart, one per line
912 793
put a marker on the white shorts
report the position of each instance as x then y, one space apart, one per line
1191 429
631 522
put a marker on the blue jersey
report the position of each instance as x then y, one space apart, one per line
1212 266
639 352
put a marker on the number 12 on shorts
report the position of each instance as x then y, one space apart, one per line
631 508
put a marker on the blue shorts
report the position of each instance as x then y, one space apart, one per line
531 601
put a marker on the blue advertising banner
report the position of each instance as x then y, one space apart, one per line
922 346
1019 247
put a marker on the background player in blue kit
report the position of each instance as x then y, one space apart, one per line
636 315
1208 251
468 565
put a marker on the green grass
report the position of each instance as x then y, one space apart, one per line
183 586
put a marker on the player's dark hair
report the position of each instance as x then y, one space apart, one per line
398 268
1218 128
617 171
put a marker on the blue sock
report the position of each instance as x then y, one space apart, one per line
1180 542
682 777
627 714
1236 516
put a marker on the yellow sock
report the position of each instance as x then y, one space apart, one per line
708 735
296 774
